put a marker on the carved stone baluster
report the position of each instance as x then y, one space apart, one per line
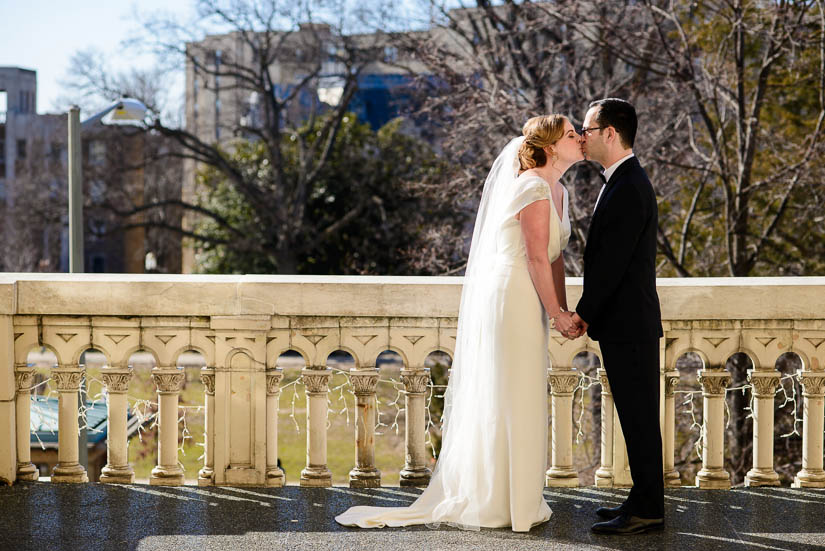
604 475
415 471
68 468
672 479
206 476
365 474
274 474
561 472
813 393
23 378
764 390
713 474
168 471
316 473
117 469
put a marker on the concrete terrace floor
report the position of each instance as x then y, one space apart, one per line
43 516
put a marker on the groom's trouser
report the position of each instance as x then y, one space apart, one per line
633 372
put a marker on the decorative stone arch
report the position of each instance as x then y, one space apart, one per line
191 348
131 351
348 350
400 352
92 346
803 357
682 350
238 350
280 351
419 362
48 347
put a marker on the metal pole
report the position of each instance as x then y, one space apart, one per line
76 247
76 265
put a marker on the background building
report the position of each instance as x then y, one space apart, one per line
122 169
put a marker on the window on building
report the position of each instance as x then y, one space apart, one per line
21 149
55 152
390 54
3 106
98 264
97 190
2 151
97 152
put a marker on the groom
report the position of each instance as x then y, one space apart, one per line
619 307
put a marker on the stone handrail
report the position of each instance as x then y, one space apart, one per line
242 324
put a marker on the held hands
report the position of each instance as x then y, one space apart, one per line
570 325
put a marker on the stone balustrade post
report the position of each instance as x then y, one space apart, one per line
316 473
604 474
365 474
274 474
415 471
763 391
713 474
117 469
563 383
812 474
672 479
168 471
68 468
23 378
206 476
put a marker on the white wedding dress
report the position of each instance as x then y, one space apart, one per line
490 472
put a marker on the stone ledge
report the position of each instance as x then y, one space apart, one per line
793 298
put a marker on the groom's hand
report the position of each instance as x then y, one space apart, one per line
580 323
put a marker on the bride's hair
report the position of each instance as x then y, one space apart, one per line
539 132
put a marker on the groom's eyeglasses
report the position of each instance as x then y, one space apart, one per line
591 129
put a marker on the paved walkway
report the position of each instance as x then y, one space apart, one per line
42 516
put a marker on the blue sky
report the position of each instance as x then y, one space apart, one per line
44 34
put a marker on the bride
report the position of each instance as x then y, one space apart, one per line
490 472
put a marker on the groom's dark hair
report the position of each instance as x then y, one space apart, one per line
619 114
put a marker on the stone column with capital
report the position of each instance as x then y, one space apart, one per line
206 476
713 474
365 474
316 473
117 469
23 379
168 472
812 474
563 383
274 474
672 479
763 391
415 471
68 468
604 475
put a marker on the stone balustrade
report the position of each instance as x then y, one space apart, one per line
242 324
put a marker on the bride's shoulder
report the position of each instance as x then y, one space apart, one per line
531 178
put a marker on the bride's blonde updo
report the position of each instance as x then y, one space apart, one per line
539 132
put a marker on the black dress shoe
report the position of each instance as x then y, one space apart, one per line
625 524
610 513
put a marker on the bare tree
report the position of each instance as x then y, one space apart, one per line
751 79
275 64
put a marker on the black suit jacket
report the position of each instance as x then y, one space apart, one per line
619 300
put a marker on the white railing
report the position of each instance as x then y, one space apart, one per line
242 324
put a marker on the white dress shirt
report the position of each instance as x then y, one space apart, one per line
608 172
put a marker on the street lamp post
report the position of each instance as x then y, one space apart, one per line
125 109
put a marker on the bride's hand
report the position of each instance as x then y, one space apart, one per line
563 322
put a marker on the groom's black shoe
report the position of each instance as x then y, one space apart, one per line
610 513
626 524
